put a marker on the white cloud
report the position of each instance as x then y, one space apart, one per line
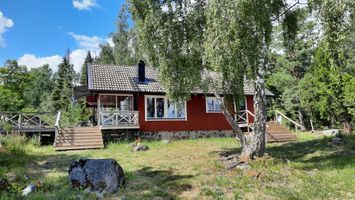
32 61
77 58
88 43
5 23
109 40
84 4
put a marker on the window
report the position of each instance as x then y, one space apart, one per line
160 107
212 105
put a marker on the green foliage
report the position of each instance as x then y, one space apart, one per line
18 144
15 81
40 84
124 50
63 90
9 100
106 54
326 90
291 59
84 69
172 39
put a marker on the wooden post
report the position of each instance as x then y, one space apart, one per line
19 121
312 125
40 121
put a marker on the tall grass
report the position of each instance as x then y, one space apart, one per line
18 144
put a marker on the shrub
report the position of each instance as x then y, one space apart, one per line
18 144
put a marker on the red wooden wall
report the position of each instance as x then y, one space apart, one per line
250 107
197 118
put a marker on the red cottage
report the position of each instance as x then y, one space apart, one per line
130 97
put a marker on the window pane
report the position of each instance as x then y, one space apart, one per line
241 104
180 107
212 104
150 107
171 109
107 103
217 107
209 103
124 103
160 107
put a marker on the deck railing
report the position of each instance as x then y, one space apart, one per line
119 118
242 117
57 126
28 120
281 115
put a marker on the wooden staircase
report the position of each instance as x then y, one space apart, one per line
277 133
78 138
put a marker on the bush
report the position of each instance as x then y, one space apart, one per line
18 144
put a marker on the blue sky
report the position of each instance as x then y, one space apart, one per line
38 31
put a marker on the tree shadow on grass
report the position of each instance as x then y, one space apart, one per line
33 165
312 154
148 183
318 153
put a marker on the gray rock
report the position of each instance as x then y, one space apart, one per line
337 141
166 141
331 132
4 184
11 176
140 147
243 166
97 175
30 188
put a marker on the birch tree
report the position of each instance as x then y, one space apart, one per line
185 39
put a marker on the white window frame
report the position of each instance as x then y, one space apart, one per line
165 109
206 105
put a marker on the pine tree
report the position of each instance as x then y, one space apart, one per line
63 90
84 69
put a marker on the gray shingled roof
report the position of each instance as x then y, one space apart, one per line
103 77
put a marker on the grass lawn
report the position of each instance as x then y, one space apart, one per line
191 169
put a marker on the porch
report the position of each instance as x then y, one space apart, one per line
116 111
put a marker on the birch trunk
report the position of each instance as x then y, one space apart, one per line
256 144
233 123
301 119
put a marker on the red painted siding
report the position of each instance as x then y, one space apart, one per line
250 107
197 118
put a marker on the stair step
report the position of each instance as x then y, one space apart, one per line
79 144
79 132
80 140
79 147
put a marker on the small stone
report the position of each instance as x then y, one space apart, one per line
11 176
30 188
99 195
243 166
166 141
337 141
140 147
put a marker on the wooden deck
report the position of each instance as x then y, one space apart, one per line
25 122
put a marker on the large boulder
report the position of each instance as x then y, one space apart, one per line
97 175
